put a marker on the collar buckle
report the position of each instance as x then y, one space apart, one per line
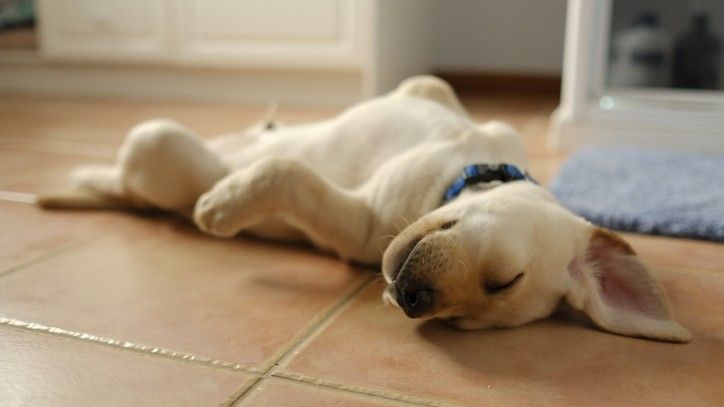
485 173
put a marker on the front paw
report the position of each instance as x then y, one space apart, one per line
213 216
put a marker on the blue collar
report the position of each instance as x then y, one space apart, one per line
484 173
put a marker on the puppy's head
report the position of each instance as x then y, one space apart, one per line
508 256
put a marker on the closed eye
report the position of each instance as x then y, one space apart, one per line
447 225
494 287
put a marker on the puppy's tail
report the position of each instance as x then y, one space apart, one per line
82 200
91 187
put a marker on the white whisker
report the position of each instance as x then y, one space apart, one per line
465 271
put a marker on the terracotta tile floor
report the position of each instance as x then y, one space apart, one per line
121 309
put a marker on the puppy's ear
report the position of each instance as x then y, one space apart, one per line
612 286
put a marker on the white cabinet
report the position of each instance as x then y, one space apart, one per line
118 30
326 34
296 51
272 33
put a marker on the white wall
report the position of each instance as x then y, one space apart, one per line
500 35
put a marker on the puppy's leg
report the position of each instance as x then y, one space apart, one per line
433 88
160 164
331 217
166 165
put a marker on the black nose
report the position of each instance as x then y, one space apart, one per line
415 299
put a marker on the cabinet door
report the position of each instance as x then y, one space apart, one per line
104 29
274 33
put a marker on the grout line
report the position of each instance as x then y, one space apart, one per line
308 333
338 388
125 345
319 324
63 248
359 390
240 393
25 198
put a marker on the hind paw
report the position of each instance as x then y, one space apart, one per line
214 217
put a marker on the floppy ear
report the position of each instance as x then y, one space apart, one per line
612 286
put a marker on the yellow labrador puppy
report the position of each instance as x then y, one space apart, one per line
485 245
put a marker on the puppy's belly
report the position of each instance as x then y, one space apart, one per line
276 228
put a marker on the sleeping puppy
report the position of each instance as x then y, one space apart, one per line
487 247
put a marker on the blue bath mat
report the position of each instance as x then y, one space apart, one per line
646 191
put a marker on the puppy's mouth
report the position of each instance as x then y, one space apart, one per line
414 296
390 295
404 254
401 291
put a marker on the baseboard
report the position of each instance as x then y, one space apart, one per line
26 72
476 82
29 74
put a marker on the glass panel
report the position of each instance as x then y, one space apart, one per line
666 44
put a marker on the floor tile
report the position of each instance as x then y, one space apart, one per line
160 282
559 361
280 392
45 370
29 232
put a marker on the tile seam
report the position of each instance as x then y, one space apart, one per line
63 248
362 391
241 392
329 317
386 395
128 346
310 331
315 326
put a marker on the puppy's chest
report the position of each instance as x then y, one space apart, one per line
352 159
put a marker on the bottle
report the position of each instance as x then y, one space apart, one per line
697 56
641 54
